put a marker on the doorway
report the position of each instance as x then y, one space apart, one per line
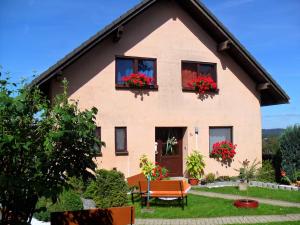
169 149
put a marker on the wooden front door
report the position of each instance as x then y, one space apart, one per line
169 149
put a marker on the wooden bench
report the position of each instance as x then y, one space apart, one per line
165 189
109 216
133 183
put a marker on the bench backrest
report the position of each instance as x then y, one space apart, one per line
163 185
133 181
110 216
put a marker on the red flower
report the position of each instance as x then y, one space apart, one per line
202 84
137 80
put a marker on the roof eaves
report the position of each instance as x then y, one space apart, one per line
241 48
92 41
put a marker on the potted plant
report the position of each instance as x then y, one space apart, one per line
247 172
195 167
203 84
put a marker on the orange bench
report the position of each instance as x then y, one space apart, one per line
133 183
165 189
110 216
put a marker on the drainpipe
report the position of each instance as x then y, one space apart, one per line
196 136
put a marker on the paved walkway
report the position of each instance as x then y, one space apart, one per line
233 197
220 220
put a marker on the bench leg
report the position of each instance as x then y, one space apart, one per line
182 203
132 199
186 200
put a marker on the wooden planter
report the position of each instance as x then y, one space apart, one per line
246 203
110 216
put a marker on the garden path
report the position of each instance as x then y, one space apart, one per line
220 220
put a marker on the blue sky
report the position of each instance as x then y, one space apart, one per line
34 34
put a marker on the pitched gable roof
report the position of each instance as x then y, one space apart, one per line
271 92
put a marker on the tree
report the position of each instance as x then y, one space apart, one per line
41 146
290 151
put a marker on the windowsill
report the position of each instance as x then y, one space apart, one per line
126 87
189 89
121 153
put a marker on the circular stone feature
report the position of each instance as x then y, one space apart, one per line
246 203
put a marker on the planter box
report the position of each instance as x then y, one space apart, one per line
112 216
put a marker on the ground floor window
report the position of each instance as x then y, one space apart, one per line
121 140
98 136
217 134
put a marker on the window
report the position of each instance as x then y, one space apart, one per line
219 134
128 65
98 135
121 141
191 70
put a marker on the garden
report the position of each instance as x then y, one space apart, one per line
47 151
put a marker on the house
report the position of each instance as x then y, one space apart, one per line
172 42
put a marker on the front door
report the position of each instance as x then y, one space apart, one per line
169 149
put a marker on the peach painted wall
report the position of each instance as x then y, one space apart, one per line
167 33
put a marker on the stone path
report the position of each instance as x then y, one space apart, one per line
233 197
220 220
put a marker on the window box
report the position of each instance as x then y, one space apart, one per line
135 73
199 77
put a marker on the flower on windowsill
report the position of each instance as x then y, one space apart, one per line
137 80
223 151
203 84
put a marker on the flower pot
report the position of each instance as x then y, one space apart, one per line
246 203
193 181
243 186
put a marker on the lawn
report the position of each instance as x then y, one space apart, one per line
273 223
285 195
200 206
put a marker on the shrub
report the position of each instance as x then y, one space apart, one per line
223 178
109 189
266 173
248 171
210 178
289 143
68 200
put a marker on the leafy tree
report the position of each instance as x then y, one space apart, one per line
41 146
270 145
290 151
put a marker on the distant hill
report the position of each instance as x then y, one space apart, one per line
272 132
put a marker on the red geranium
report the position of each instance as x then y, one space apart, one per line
223 150
158 172
203 84
137 80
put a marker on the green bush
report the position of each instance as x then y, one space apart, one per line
289 147
223 178
266 173
68 201
210 178
109 189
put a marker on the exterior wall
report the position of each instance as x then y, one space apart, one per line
167 33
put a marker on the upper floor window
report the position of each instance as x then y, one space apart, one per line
125 66
217 134
191 70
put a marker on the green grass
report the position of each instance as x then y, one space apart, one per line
199 206
285 195
273 223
